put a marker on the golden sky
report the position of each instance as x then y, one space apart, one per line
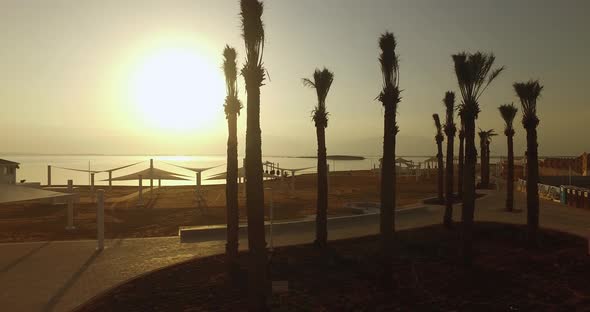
145 76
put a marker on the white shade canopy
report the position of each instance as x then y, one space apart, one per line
97 171
10 193
151 173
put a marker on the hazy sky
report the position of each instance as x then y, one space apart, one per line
112 76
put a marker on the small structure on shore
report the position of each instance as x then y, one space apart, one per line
8 171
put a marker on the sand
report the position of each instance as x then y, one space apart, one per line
165 209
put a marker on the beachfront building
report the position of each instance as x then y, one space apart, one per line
8 171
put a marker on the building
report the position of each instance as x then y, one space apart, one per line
555 166
8 171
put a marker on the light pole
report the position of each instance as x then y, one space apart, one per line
100 219
271 216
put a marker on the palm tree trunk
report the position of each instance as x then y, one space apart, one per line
461 164
231 196
255 201
448 218
322 197
487 145
482 165
468 208
510 175
387 219
532 188
441 171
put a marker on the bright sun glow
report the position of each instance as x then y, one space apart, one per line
177 89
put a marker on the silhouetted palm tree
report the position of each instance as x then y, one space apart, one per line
253 72
322 80
439 138
450 130
390 98
474 74
529 92
508 112
232 110
485 139
461 154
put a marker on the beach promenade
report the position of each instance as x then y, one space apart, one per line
60 275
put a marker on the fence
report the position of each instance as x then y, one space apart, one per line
548 192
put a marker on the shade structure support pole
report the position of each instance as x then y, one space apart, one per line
49 175
70 225
151 175
110 180
140 192
100 219
92 186
293 182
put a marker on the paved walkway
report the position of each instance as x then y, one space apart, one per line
58 276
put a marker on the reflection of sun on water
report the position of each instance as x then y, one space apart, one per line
177 89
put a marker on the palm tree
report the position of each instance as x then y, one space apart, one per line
322 80
253 72
232 110
508 112
461 154
485 139
390 98
474 74
439 138
450 130
529 92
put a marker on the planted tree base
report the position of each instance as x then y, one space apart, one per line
437 201
427 276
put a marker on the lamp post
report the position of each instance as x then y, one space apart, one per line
271 216
100 219
70 226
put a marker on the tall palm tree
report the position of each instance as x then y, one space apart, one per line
508 112
232 110
450 130
485 139
439 138
474 74
253 72
390 98
322 80
529 92
461 154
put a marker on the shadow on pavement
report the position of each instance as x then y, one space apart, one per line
62 291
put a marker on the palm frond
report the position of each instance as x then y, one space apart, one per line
232 103
253 33
529 92
508 112
474 74
439 133
389 61
449 102
322 81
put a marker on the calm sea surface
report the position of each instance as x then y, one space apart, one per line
33 168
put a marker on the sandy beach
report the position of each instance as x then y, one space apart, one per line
165 209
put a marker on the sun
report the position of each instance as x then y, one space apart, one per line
177 89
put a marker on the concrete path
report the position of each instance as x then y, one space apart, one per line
58 276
